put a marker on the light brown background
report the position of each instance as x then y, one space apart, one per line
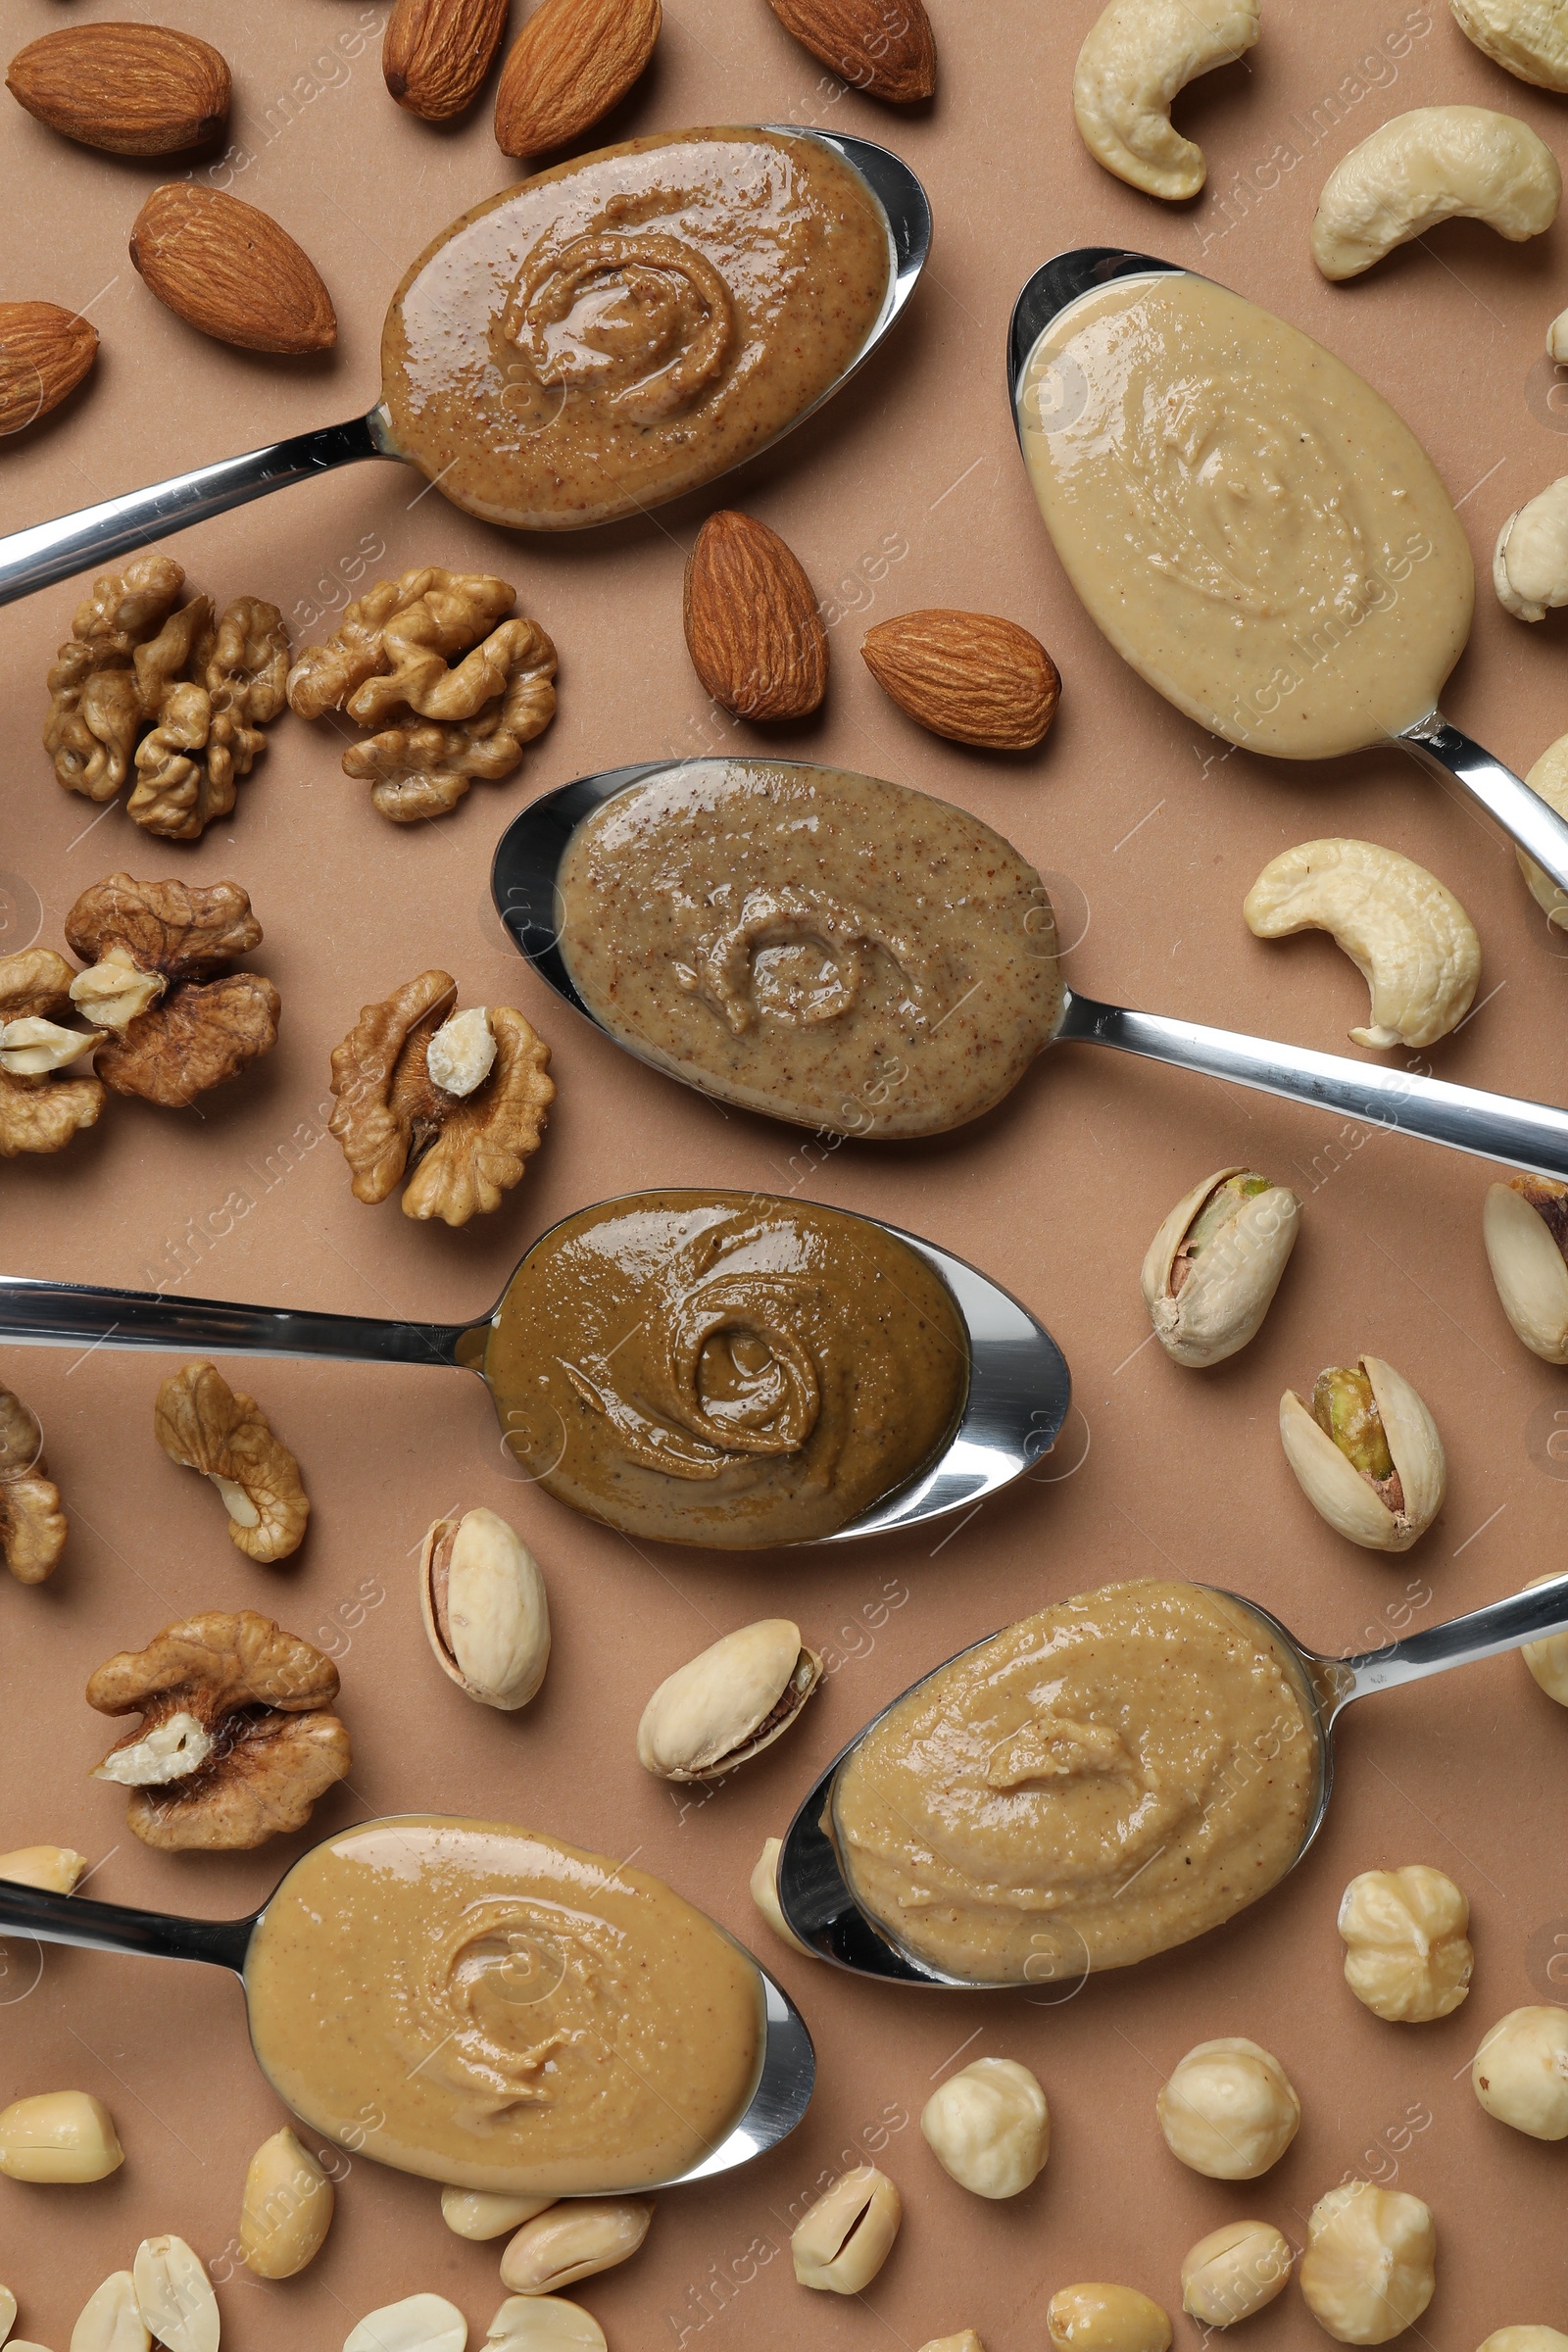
908 490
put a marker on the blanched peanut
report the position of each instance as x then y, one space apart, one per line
1234 2272
966 2340
1520 2073
1097 2317
1369 2269
544 2323
1525 2339
989 2126
1228 2110
61 2135
286 2209
110 2321
174 2296
477 2212
419 2324
764 1894
574 2240
842 2243
55 1869
7 2312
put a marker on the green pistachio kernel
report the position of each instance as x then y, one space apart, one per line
1345 1408
1220 1207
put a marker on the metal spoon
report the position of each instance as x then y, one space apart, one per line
783 2089
55 551
1524 1135
1018 1394
1442 749
818 1902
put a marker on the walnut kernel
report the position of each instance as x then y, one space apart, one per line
205 1023
204 1424
33 1525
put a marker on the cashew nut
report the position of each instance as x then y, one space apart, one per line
1530 562
1549 779
1528 38
1139 54
1409 938
1428 165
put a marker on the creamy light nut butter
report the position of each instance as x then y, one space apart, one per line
725 1368
631 324
828 948
1249 523
495 2009
1112 1776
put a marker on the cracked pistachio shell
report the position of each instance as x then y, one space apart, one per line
574 2240
1336 1488
485 1609
1232 1281
1529 1271
842 2243
728 1703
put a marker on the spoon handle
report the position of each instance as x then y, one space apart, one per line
1502 1625
112 1928
1444 752
1523 1135
56 551
68 1314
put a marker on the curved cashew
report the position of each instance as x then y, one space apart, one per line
1549 779
1411 938
1530 562
1528 38
1139 54
1428 165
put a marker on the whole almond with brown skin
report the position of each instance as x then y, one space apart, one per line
436 53
136 89
966 676
570 64
884 47
752 627
230 270
44 354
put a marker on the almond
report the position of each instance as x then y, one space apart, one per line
44 354
230 270
437 52
136 89
570 64
966 676
752 627
884 47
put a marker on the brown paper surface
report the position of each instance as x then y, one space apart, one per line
907 491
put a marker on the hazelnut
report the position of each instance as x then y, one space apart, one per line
1408 1957
1234 2272
1096 2318
1520 2073
1228 2110
1548 1660
286 2209
840 2245
1368 2271
59 2136
479 2214
988 2127
1525 2339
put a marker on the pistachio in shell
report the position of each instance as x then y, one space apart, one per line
485 1608
1367 1454
728 1703
1525 1227
1211 1271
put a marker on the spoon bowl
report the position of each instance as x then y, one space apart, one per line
786 2073
525 884
1435 745
97 534
1017 1399
818 1904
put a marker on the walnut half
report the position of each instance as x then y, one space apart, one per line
201 1423
32 1526
468 1140
236 1745
158 954
41 1107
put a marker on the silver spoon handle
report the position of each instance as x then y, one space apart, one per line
1444 751
67 1314
1524 1135
1501 1626
114 1928
56 551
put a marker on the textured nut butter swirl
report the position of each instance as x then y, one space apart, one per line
498 2010
628 326
835 950
1103 1780
723 1369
